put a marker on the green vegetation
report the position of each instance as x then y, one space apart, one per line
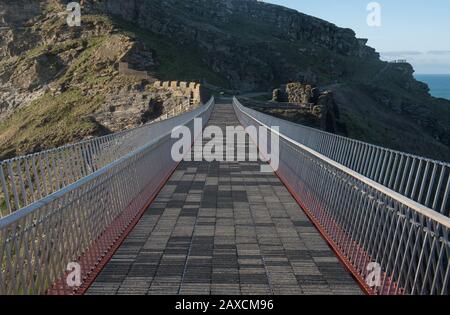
175 61
403 122
233 49
262 97
50 121
57 119
299 116
3 209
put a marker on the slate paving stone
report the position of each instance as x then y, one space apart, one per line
224 228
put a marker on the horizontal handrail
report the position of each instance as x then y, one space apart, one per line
430 213
373 228
423 180
29 178
81 221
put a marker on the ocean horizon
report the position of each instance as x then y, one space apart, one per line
439 84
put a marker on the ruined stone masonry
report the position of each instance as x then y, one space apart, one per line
187 90
190 90
125 70
303 95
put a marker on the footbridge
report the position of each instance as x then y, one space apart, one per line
118 215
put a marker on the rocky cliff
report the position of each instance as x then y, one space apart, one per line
60 84
250 44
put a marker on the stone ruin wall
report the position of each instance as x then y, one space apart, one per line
190 90
174 97
180 89
125 70
305 96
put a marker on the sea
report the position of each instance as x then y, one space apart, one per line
439 84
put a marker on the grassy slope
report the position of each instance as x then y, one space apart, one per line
175 61
364 117
366 120
49 122
55 120
52 121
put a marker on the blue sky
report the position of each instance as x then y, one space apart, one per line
416 30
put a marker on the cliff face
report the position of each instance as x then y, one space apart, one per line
281 23
251 44
60 84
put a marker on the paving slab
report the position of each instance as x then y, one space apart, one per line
224 228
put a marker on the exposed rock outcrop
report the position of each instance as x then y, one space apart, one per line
296 93
60 84
245 60
234 45
308 98
327 110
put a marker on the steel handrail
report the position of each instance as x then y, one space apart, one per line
81 221
27 179
430 213
368 224
421 179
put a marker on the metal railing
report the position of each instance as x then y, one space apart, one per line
184 107
38 241
29 178
367 223
420 179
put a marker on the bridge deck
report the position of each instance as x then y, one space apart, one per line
224 228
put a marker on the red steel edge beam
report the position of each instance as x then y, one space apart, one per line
103 249
341 256
334 247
